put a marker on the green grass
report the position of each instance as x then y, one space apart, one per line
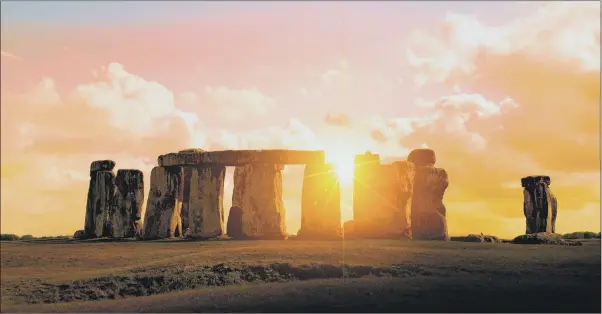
298 276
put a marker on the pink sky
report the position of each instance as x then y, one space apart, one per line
500 90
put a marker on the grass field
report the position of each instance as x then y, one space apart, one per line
298 276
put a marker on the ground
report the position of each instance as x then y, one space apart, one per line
298 276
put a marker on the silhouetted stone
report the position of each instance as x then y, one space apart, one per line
102 165
320 202
205 202
163 208
99 201
234 228
540 206
544 238
79 235
428 212
241 157
258 192
480 238
364 194
422 157
405 186
127 208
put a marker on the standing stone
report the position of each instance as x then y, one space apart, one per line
320 202
365 176
100 196
258 192
163 208
405 185
428 212
540 206
422 157
234 228
127 207
205 202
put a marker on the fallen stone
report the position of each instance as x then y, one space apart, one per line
234 227
428 212
258 192
320 202
242 157
192 150
79 235
422 157
405 183
479 238
163 208
544 238
102 165
127 206
99 204
205 202
540 206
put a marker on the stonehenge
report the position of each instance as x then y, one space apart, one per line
540 206
114 203
185 199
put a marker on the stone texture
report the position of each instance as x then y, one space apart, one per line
428 212
544 238
205 202
234 228
405 171
102 165
540 206
163 208
320 202
241 157
422 157
258 192
479 238
364 195
98 207
127 203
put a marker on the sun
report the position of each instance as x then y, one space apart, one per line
343 166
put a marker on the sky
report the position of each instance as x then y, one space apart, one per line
500 90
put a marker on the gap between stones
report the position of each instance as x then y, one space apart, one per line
147 282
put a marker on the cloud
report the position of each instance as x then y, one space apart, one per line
530 106
238 104
340 120
8 55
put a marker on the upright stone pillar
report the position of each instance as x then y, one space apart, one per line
100 196
320 202
258 193
428 214
364 195
205 203
405 187
540 205
163 208
127 207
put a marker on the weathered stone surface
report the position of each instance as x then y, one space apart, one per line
540 206
234 228
320 202
422 157
428 212
258 192
405 186
364 193
98 207
544 238
242 157
192 150
102 165
163 208
127 203
79 234
205 202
